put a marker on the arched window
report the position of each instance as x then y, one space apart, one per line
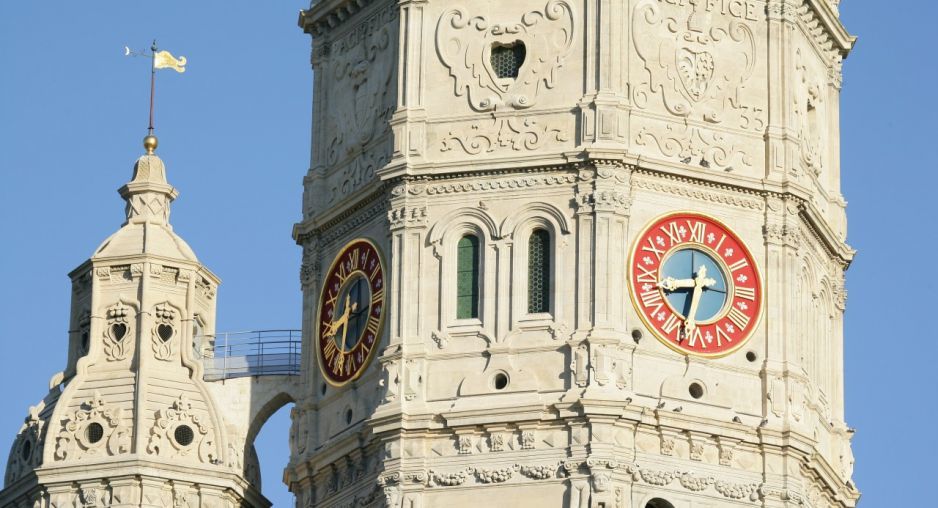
539 272
467 278
658 503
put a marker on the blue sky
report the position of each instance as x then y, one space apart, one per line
234 133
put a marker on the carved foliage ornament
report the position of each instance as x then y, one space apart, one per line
503 134
92 430
465 43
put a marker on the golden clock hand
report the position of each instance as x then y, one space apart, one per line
671 284
701 281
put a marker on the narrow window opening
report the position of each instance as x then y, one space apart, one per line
467 278
539 272
508 59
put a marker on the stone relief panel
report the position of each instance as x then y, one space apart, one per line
95 429
808 114
118 331
697 64
181 431
542 39
358 105
504 136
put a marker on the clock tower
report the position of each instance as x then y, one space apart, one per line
579 253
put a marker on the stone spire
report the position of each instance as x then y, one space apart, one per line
147 229
148 194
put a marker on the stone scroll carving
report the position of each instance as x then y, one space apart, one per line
180 431
95 429
697 63
464 43
361 97
26 453
505 134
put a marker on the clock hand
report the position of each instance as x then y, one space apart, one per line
701 281
672 284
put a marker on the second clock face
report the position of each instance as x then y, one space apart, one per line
695 284
351 312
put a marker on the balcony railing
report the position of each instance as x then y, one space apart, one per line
258 353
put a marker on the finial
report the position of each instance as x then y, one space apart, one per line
150 143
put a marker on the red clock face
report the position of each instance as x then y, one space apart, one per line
351 312
695 284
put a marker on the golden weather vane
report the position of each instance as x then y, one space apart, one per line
158 60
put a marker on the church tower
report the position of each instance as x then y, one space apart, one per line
130 422
579 253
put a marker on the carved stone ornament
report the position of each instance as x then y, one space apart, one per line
696 62
118 331
181 421
518 134
95 429
361 97
695 145
465 43
26 454
165 329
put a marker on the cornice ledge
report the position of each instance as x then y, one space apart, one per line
821 231
830 19
324 15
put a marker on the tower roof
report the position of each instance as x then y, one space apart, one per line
147 229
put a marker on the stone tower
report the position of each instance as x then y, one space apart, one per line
131 422
582 253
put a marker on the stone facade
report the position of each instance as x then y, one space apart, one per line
620 112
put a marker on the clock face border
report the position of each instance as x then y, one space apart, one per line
319 338
635 296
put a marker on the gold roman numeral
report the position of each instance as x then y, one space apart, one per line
652 298
697 335
717 248
671 324
698 231
373 326
654 250
739 265
330 351
375 271
356 255
721 335
738 318
747 293
646 275
673 232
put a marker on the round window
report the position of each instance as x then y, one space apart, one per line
184 435
94 432
27 450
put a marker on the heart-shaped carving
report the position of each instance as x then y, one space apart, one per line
118 330
165 332
696 71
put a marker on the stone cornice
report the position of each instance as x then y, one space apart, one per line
825 13
324 15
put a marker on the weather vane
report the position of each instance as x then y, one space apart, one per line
159 60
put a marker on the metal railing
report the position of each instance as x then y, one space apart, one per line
258 353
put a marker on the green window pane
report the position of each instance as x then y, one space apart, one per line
467 278
539 272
